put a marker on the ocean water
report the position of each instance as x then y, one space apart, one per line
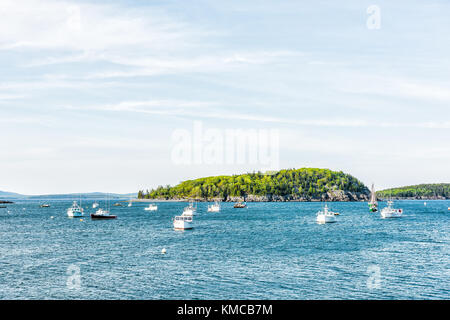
267 251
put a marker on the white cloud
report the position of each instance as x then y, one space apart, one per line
10 96
85 27
395 86
216 110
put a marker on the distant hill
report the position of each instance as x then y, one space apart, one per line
93 195
420 191
10 195
307 184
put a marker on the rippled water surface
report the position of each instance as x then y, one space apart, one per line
267 251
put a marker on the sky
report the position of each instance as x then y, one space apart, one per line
91 93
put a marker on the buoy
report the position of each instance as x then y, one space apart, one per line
81 220
163 251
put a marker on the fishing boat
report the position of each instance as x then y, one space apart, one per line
95 205
240 205
214 207
190 210
326 216
151 207
75 210
101 214
182 222
373 203
390 212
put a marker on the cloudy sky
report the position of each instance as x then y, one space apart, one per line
91 93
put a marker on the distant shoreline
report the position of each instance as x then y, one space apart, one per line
312 200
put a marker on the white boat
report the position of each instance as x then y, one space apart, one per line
151 207
95 205
182 222
190 210
390 212
326 216
373 203
75 210
214 207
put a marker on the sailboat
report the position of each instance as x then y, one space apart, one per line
130 203
373 203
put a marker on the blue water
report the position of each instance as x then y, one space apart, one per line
268 251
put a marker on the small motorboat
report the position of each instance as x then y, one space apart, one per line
182 222
45 206
390 212
214 207
101 214
95 205
75 210
117 204
240 205
151 207
326 216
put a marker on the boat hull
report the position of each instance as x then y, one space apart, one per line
189 213
182 225
102 217
72 214
321 218
387 214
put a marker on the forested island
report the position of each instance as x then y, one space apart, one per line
421 191
306 184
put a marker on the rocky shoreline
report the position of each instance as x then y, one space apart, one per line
413 198
334 196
